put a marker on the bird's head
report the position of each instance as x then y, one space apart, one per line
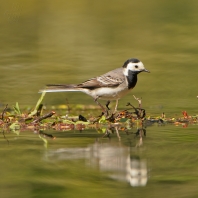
134 65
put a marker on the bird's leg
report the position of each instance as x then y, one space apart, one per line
117 132
107 104
116 106
96 100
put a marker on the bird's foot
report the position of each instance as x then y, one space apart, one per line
111 116
106 112
107 105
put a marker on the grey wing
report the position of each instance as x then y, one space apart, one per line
110 79
90 84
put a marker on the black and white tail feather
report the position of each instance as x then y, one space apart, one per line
58 88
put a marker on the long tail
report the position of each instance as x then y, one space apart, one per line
59 88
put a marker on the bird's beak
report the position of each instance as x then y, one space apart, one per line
145 70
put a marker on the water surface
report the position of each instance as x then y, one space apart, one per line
88 164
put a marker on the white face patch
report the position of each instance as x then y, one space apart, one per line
138 67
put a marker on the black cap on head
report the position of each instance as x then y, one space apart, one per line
131 60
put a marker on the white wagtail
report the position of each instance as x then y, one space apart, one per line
112 85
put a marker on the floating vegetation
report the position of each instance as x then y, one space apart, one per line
15 120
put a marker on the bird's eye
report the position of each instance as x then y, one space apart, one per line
136 66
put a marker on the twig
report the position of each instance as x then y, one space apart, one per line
67 103
47 135
163 115
138 111
5 137
139 101
2 115
129 104
40 107
44 117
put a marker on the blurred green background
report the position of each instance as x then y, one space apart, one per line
65 41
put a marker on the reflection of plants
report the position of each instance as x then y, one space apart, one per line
15 127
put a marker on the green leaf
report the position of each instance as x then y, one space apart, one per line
17 109
40 100
44 140
102 120
101 130
68 122
123 119
15 127
37 105
32 113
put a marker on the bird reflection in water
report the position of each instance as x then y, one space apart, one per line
113 158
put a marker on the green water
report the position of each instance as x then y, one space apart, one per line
62 41
75 164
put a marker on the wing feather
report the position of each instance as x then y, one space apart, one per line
110 79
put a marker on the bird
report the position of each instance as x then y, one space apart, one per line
112 85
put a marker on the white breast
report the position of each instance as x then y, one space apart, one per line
108 93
